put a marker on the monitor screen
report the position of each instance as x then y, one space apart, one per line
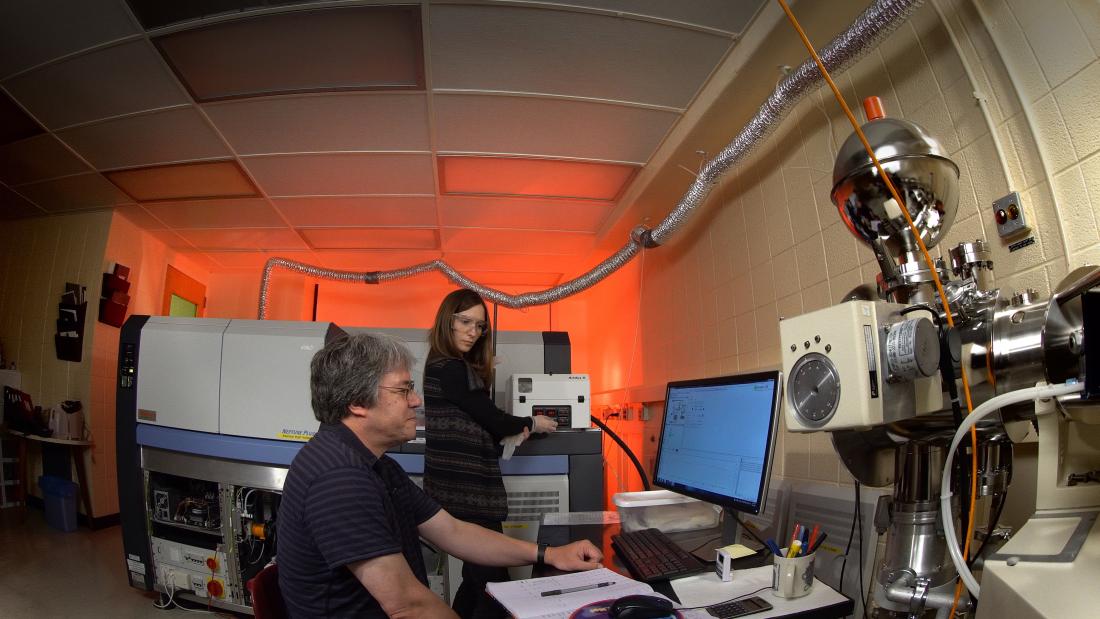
718 439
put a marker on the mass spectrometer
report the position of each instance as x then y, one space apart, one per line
887 374
211 412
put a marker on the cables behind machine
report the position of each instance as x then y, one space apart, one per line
629 453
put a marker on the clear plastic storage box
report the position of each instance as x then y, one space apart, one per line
664 510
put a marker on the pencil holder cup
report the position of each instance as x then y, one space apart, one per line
793 577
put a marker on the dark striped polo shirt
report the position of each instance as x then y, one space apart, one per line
341 505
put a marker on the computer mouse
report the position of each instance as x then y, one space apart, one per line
640 607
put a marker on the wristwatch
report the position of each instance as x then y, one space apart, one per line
540 557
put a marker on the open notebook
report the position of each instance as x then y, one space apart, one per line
524 599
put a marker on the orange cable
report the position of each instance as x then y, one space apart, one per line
927 257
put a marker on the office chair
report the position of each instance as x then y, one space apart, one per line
267 602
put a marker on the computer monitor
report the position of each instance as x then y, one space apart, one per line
718 439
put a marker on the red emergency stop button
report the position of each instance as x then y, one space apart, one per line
215 588
212 564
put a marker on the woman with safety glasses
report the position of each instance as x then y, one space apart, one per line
463 432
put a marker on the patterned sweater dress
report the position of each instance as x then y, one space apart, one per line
463 429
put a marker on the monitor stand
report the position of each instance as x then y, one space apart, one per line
728 532
731 529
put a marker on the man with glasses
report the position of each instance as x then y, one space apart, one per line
350 519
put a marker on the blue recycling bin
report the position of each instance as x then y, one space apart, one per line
59 495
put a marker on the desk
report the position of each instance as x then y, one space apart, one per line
753 573
75 449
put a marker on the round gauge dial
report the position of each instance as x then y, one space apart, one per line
814 389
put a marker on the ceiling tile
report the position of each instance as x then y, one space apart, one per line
217 213
139 216
117 80
15 124
343 174
367 260
516 241
13 206
32 33
372 238
324 122
366 47
256 239
359 211
586 130
82 191
720 14
529 50
497 212
217 179
36 159
167 136
546 178
157 13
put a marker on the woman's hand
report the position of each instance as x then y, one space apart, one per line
543 424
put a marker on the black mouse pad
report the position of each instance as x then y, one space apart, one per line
601 610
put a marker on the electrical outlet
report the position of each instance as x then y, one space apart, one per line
1008 213
198 585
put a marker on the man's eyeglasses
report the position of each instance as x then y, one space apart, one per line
408 392
466 324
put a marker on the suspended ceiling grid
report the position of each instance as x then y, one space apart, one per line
496 135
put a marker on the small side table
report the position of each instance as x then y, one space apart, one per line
76 450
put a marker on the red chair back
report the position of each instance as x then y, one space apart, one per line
267 602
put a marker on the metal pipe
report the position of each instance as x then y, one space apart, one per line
903 592
866 32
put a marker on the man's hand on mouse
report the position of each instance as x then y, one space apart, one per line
582 555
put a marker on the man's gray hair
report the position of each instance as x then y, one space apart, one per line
348 371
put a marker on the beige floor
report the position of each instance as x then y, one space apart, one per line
46 573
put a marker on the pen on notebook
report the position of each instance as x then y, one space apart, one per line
598 585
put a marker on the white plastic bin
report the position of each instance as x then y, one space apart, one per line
664 510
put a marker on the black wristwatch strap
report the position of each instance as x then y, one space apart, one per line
540 558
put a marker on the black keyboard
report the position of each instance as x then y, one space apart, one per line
747 606
650 555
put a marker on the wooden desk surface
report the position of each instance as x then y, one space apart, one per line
78 463
46 439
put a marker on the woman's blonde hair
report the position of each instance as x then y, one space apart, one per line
441 337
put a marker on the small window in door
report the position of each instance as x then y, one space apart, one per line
183 296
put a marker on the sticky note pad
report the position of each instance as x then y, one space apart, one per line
736 551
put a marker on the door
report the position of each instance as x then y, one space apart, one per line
183 296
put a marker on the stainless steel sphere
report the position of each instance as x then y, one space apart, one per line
917 164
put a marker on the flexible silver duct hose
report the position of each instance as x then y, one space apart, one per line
873 25
569 288
866 32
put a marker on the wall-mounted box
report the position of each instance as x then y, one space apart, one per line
112 305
